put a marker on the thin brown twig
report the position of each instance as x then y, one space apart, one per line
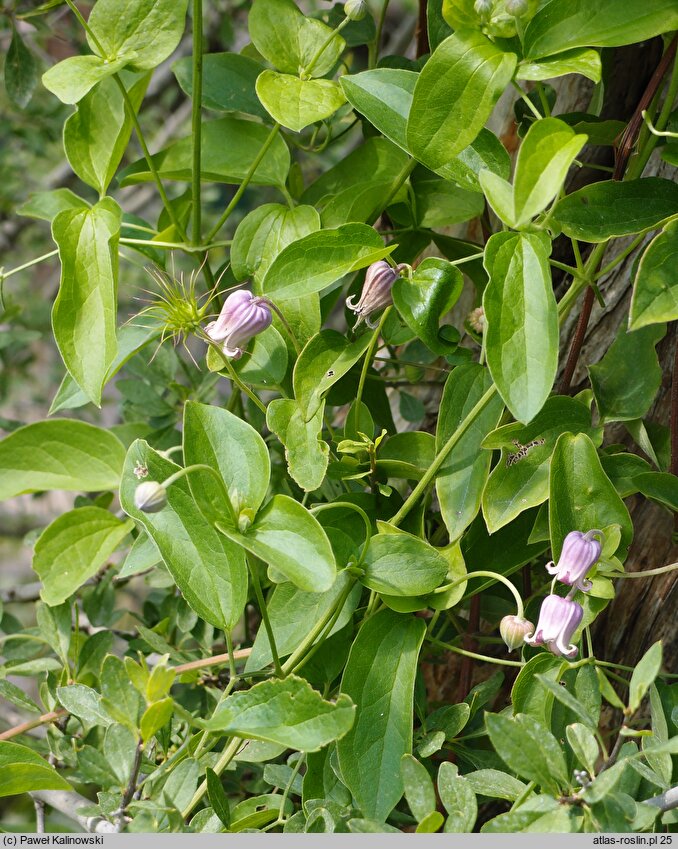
52 716
214 660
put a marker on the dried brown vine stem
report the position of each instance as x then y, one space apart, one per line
423 46
622 156
466 670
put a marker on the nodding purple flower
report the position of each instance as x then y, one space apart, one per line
513 630
376 293
580 552
559 618
242 316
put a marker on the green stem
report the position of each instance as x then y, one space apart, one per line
233 374
279 671
473 655
369 355
147 156
326 631
293 660
431 472
533 109
580 283
226 757
342 504
373 50
5 274
83 23
405 172
647 573
196 120
174 246
573 272
319 52
481 573
620 257
245 183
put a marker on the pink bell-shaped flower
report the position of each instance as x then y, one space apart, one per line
242 316
580 552
559 618
376 292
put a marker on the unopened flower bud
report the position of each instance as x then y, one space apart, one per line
580 552
517 8
150 497
355 10
559 618
483 7
513 630
376 292
242 316
476 319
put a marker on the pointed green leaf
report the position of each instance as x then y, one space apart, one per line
229 147
306 453
286 711
72 78
23 770
455 95
97 133
219 439
146 33
581 495
384 97
522 321
379 678
73 548
59 454
529 749
289 40
627 379
613 208
644 674
84 313
296 103
520 479
21 71
655 289
209 570
291 540
576 23
319 259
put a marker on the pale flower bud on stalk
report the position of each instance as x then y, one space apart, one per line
580 552
517 8
242 316
476 319
483 7
513 630
376 292
559 618
355 10
150 497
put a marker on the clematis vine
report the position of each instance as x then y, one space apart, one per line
580 552
559 618
242 316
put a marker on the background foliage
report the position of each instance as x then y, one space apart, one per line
304 637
